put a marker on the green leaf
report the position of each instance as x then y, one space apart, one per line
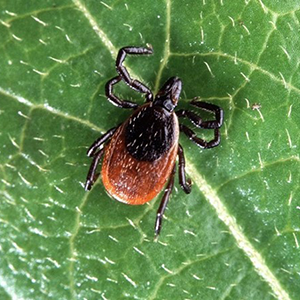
235 236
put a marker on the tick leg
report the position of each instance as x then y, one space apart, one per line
198 121
218 111
184 182
163 204
198 141
133 83
99 142
113 98
90 180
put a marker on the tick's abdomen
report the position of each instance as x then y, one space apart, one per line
138 162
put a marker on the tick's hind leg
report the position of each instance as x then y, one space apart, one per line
91 177
183 181
163 204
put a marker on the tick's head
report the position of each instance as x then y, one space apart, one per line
169 93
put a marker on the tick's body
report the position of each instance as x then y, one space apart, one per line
140 157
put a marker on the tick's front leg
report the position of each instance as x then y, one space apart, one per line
133 83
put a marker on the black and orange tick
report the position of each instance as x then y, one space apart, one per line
140 154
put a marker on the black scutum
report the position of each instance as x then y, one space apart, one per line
149 133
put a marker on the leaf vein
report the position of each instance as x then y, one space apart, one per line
102 35
242 241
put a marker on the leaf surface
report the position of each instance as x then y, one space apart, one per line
235 236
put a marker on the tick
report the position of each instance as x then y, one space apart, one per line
139 155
